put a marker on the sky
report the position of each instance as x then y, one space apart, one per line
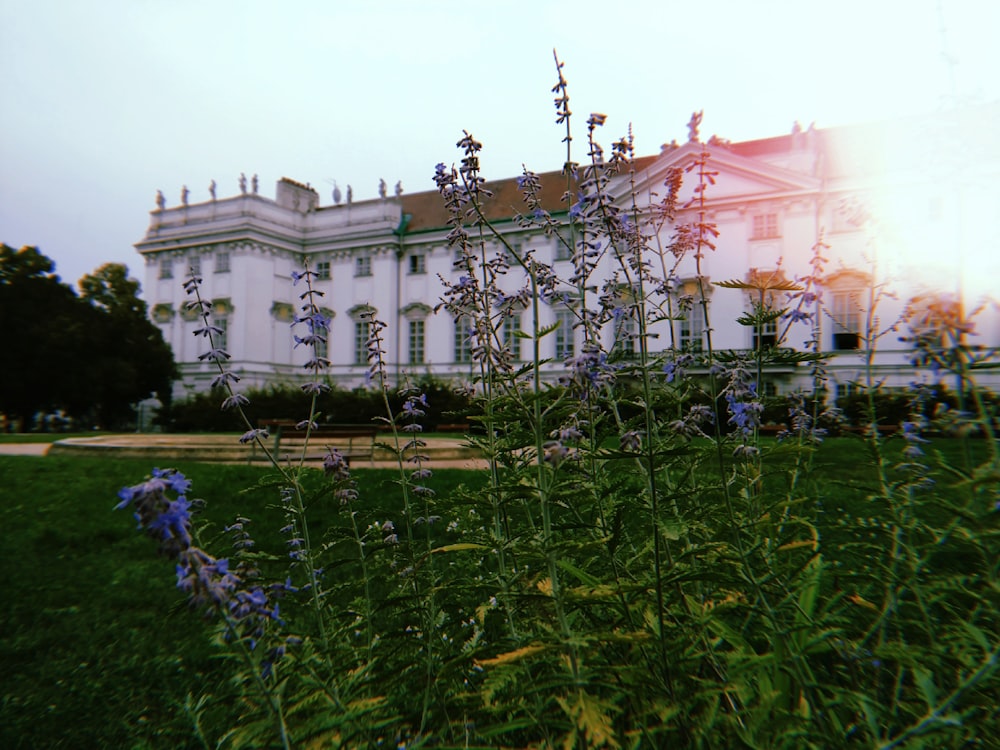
104 102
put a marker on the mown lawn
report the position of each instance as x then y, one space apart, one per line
100 650
98 647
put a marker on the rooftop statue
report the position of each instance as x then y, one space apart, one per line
693 124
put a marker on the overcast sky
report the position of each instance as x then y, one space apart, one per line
106 101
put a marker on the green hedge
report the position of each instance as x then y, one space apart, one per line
202 413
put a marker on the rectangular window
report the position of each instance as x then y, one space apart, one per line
221 340
563 251
765 226
361 331
843 390
846 321
363 265
418 264
565 347
692 328
626 336
509 329
166 269
463 340
765 336
222 263
194 265
416 342
322 345
323 270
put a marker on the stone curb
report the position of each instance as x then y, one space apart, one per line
226 449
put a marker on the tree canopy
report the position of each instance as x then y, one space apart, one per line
92 355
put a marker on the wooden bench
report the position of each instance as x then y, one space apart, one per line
351 440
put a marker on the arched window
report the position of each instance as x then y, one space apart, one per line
564 334
416 324
362 316
463 339
222 310
846 292
765 298
689 313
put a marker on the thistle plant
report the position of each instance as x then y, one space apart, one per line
640 564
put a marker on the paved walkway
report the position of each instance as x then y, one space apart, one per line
450 453
23 449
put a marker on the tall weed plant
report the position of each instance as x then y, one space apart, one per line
643 569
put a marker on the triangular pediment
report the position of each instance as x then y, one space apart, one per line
736 178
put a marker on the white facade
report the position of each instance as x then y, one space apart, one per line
892 203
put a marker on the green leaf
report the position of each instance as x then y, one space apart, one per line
810 590
924 680
977 635
580 575
673 530
459 547
547 330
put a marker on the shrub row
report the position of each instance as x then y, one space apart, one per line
201 412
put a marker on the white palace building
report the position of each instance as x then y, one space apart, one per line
911 207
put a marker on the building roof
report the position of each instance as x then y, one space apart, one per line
428 211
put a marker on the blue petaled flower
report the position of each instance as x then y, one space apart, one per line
234 401
334 464
745 415
127 495
315 388
414 406
631 441
318 322
207 330
226 376
795 315
210 583
214 355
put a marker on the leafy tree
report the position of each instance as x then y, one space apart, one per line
135 360
41 318
111 289
92 355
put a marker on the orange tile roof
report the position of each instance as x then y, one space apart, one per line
428 212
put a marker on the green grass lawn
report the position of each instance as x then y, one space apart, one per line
99 648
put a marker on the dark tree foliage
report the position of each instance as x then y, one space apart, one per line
93 355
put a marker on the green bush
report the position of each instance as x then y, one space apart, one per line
201 413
